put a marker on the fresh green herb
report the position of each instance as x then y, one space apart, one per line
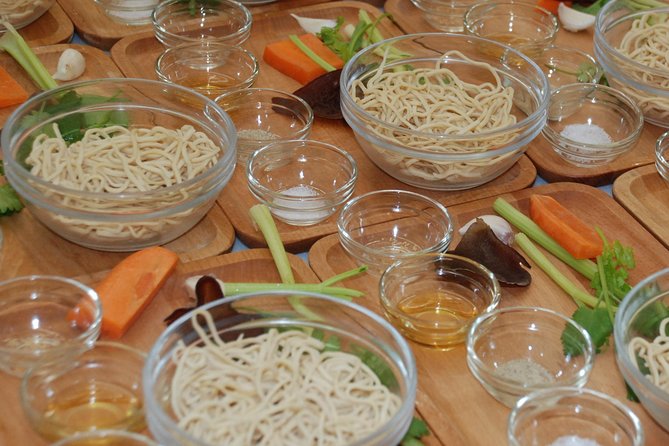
12 42
9 199
417 430
376 364
596 322
194 5
586 72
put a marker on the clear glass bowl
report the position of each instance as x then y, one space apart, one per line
224 21
129 12
441 160
207 67
638 319
43 318
383 226
590 125
356 330
100 389
573 416
433 298
662 155
444 15
514 351
22 14
124 220
106 438
565 65
302 182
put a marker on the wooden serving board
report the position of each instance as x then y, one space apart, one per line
255 265
645 194
94 26
53 27
457 408
31 248
135 54
98 65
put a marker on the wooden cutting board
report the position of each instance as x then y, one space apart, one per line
550 165
645 195
132 53
453 403
98 65
53 27
250 265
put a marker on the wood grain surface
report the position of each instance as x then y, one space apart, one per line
52 28
550 166
455 405
15 429
645 194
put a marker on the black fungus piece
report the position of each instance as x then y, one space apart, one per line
322 94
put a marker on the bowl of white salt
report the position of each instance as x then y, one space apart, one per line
302 182
590 125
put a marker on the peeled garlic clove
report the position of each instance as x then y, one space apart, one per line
499 226
573 20
312 25
71 65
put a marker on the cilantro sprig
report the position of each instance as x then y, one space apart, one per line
10 203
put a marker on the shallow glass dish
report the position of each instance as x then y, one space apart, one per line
302 182
662 155
573 416
23 13
448 158
638 324
106 438
433 298
129 12
224 21
444 15
344 326
100 389
514 351
131 206
207 67
265 115
383 226
44 318
565 65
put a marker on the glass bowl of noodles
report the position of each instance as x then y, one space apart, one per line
443 111
297 369
21 13
630 45
119 164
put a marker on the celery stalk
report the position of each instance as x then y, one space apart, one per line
263 219
230 289
580 297
13 43
586 267
345 275
313 56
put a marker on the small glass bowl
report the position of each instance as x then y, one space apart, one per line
223 21
573 416
444 16
565 65
209 68
265 115
514 351
100 389
433 298
662 155
129 12
106 438
383 226
302 182
523 26
44 318
22 14
590 124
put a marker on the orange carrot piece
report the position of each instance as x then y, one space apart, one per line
131 285
572 233
287 58
551 5
11 92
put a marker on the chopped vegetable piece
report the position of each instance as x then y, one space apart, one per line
11 92
9 199
572 233
288 58
131 285
322 95
551 5
13 43
417 429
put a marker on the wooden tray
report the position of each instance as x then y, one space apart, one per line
94 26
237 267
550 165
30 248
133 53
645 194
444 379
98 65
53 27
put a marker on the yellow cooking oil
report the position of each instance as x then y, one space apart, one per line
438 317
210 84
93 405
523 44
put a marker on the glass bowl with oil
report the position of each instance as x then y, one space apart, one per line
515 351
106 438
43 317
432 299
100 389
210 68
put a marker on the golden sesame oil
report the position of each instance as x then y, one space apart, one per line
209 84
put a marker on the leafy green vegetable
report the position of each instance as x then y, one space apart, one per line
417 429
10 203
596 322
311 54
12 42
378 365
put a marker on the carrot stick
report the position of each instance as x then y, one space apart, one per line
572 233
11 92
551 5
131 285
